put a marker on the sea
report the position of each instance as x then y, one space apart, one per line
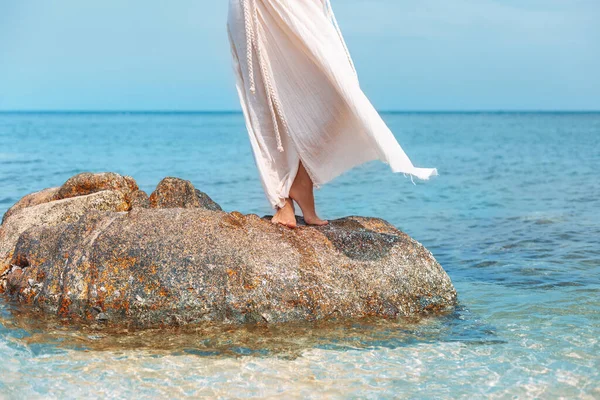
513 217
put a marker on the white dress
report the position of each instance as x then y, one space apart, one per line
301 97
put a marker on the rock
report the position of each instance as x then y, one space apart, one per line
88 183
207 202
181 262
178 193
102 317
53 213
138 199
120 193
33 199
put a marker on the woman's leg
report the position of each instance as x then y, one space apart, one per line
302 193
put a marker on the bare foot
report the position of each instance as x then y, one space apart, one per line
314 220
286 215
302 193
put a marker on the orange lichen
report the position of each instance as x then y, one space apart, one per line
235 219
151 287
93 272
63 308
122 263
121 305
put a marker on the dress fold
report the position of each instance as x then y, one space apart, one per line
301 97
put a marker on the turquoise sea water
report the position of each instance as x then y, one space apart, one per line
513 218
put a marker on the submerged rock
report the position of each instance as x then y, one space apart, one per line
184 261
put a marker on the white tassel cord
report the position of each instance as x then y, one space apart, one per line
249 28
253 42
330 14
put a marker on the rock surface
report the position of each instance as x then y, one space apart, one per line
113 257
178 193
88 183
53 213
32 199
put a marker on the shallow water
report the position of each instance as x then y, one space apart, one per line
513 218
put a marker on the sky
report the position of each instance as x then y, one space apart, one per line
410 55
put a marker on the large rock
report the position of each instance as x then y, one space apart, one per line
163 266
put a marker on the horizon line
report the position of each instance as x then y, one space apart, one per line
159 111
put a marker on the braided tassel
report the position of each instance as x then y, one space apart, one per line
253 42
331 16
249 43
270 92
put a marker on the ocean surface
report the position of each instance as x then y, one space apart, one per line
513 217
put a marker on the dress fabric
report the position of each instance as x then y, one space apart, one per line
301 97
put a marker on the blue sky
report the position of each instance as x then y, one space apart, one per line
410 55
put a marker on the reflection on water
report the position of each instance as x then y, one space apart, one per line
513 218
46 334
